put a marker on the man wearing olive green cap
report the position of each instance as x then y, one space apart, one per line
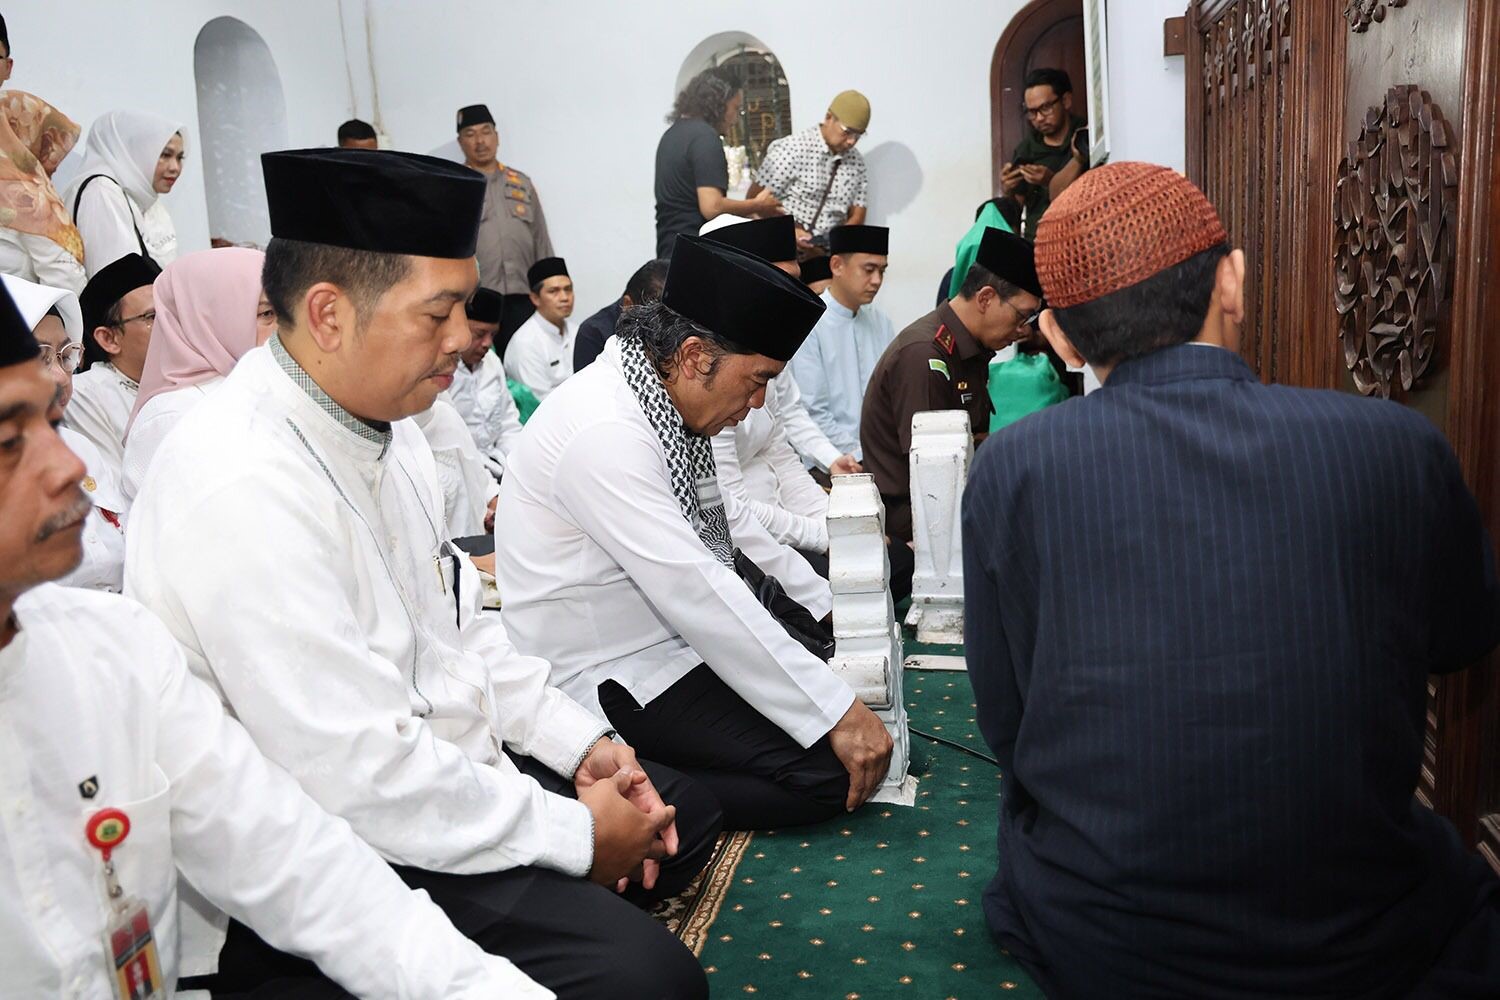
817 173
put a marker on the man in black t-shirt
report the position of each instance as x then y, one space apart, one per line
1045 161
691 173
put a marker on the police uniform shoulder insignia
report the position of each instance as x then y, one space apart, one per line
940 366
518 209
944 339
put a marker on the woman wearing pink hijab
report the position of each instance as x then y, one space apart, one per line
209 312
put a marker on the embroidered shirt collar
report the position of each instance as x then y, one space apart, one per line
374 433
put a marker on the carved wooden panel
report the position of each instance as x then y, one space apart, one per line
1241 53
1418 200
1397 197
1360 13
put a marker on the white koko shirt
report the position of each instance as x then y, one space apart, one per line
758 467
302 560
484 401
540 355
604 577
93 690
100 408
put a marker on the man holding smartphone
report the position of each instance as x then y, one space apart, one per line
1055 151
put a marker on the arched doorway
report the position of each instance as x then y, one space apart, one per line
1044 33
241 114
765 115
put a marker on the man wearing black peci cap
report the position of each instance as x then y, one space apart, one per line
513 231
622 562
941 362
119 312
479 391
101 722
297 549
540 353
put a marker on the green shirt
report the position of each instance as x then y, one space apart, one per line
1034 149
968 247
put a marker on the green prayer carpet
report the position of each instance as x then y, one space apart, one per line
884 903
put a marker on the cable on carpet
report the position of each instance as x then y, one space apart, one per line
955 745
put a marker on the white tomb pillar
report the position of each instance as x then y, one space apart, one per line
867 638
942 447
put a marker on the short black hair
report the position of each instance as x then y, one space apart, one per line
1166 309
294 266
356 129
1057 79
646 283
979 277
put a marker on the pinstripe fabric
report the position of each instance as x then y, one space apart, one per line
1200 614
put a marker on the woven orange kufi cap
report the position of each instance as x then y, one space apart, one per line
1116 226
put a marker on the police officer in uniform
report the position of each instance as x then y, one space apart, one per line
941 362
513 232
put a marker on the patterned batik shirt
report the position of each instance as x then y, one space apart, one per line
797 168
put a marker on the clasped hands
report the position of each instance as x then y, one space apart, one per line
633 828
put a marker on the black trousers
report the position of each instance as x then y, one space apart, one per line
762 778
574 937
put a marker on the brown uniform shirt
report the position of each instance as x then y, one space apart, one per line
934 364
512 232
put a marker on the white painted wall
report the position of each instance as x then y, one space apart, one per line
89 56
241 114
579 91
1147 95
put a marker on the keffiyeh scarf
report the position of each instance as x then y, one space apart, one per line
690 457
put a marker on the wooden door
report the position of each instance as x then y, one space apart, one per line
1350 148
1043 34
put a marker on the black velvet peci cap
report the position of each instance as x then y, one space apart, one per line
816 269
773 239
111 284
859 239
17 343
1010 258
379 200
484 305
473 114
547 267
740 297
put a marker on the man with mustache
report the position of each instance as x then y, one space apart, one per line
291 535
100 723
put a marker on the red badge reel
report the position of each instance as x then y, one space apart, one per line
129 946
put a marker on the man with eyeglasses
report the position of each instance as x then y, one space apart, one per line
817 173
1048 159
57 325
119 313
941 362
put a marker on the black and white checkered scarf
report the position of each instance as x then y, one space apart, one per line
690 457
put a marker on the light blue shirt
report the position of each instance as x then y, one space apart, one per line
834 365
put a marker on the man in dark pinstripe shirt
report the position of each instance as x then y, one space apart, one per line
1201 615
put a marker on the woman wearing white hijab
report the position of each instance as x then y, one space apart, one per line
130 159
57 322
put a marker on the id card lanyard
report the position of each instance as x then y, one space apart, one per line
129 946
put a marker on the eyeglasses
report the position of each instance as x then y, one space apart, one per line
1026 321
67 358
1041 109
849 133
148 317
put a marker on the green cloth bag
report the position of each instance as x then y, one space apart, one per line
968 247
526 400
1024 384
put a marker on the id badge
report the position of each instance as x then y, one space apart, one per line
132 953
